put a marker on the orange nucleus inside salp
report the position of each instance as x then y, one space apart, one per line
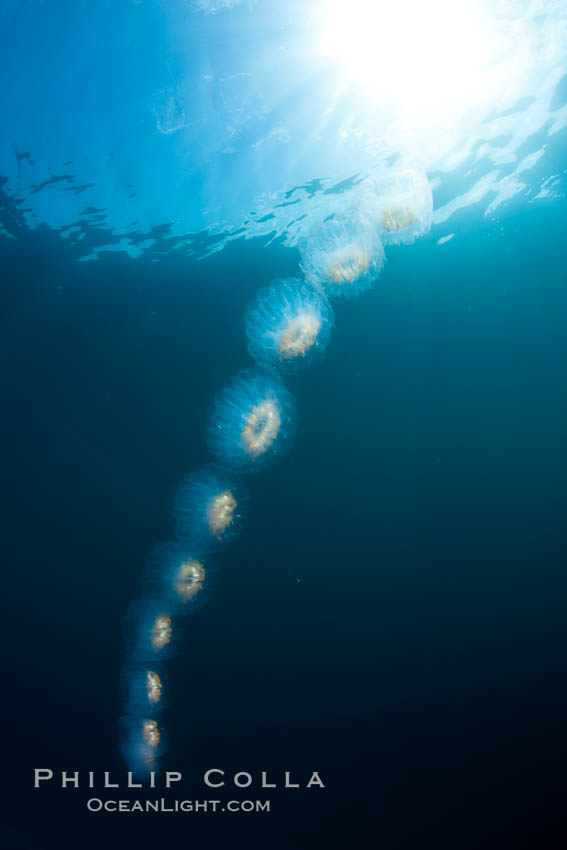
189 579
150 733
396 219
348 264
299 336
220 512
161 632
153 687
261 428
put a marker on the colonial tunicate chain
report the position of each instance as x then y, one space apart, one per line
252 422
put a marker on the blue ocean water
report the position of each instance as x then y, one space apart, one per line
392 615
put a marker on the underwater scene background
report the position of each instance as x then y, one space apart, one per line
393 613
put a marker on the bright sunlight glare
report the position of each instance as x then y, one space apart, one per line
430 62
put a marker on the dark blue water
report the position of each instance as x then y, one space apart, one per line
393 615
